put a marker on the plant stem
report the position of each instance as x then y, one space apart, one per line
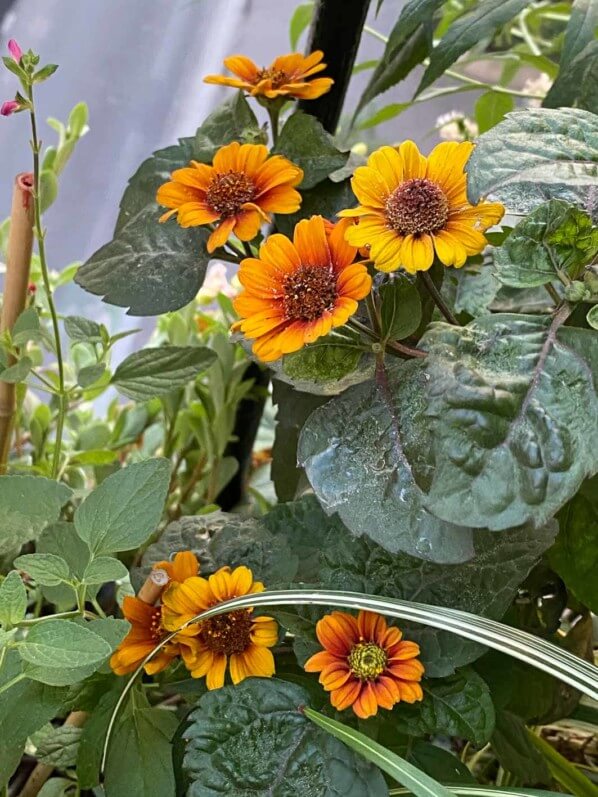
59 616
274 113
552 292
428 283
5 687
40 234
400 348
373 313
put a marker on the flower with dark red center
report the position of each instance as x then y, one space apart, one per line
296 292
238 639
288 76
365 664
237 193
414 208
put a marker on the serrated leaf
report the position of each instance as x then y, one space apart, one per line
554 242
579 83
152 373
535 155
253 736
401 310
491 108
13 600
103 569
125 509
82 329
60 643
233 120
27 505
58 746
149 267
26 327
45 568
360 451
482 20
509 446
305 143
91 374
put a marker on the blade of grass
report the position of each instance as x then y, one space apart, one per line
563 771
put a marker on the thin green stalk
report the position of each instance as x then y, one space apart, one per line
40 234
552 292
274 113
428 283
58 616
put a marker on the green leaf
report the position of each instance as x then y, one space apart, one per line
91 374
383 115
45 568
301 18
574 555
103 569
232 121
61 539
58 787
439 763
17 372
81 329
481 21
27 505
563 771
44 73
152 373
305 143
92 739
149 267
491 108
58 746
475 289
360 452
253 738
26 327
48 184
326 199
93 457
13 600
401 309
515 752
456 706
125 509
536 154
508 444
60 643
592 317
578 84
555 241
414 779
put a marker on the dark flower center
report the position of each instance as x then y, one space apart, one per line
309 292
155 627
417 206
276 76
367 660
227 633
228 192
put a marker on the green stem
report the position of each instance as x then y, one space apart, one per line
39 231
5 687
59 616
274 113
400 348
428 283
552 292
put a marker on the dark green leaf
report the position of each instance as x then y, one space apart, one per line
45 568
326 199
253 738
474 289
58 746
232 121
81 329
509 443
515 752
536 154
13 600
304 142
491 108
299 21
482 20
578 83
27 505
401 309
326 367
92 739
439 763
152 373
555 241
125 509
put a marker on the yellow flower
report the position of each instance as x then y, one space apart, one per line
297 291
183 566
238 192
365 664
287 76
412 206
237 639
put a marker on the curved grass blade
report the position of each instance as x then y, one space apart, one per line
563 771
487 791
414 779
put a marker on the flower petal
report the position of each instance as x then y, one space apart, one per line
215 675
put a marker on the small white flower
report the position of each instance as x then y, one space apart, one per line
455 126
215 282
540 85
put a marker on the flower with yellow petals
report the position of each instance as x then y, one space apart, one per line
237 193
183 566
237 639
412 207
287 76
296 292
365 664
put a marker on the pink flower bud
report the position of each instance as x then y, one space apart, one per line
8 107
15 50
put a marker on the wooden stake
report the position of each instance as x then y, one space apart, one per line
16 280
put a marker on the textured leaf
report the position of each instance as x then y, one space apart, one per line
13 600
305 143
46 568
578 84
60 643
555 239
27 505
515 751
535 155
152 373
233 120
401 309
82 329
252 738
58 746
326 199
61 539
360 451
510 445
474 290
93 736
125 509
89 375
103 569
149 267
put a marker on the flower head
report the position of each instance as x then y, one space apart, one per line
183 566
365 664
9 107
237 192
15 50
412 207
297 291
237 639
287 76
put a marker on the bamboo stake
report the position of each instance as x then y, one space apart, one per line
16 280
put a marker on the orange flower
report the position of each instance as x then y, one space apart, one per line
237 639
297 292
145 633
183 566
285 77
365 664
237 192
412 207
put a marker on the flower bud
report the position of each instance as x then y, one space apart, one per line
15 50
9 107
575 292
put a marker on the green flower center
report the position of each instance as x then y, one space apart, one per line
417 206
228 192
309 292
367 660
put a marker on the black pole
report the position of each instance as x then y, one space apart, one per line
336 29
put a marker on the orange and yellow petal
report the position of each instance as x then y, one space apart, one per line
414 163
345 695
242 66
417 253
372 626
217 671
337 632
221 234
311 243
259 661
264 631
446 164
370 188
366 704
184 565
